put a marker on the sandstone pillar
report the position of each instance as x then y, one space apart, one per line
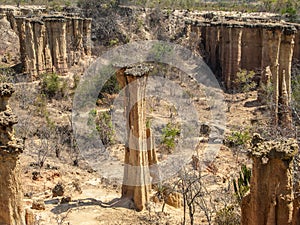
270 58
212 36
139 151
30 63
20 21
285 59
277 54
226 55
39 44
78 37
87 33
236 45
271 197
56 29
251 48
285 113
231 53
297 44
11 211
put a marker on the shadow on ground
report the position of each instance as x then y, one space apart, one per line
115 203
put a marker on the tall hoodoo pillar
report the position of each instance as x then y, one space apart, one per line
11 211
139 150
271 199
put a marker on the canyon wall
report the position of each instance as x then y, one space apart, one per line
53 43
272 199
231 46
49 43
296 56
266 47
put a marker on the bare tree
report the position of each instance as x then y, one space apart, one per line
195 196
43 143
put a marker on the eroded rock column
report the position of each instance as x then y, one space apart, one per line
297 44
11 212
52 43
56 29
271 198
139 151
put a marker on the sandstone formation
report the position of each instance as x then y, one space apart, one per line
296 56
11 211
53 43
50 43
235 44
174 199
271 199
139 151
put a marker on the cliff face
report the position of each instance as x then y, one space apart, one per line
53 43
49 43
297 44
11 211
266 47
233 46
271 199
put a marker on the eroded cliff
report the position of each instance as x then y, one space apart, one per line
266 46
50 43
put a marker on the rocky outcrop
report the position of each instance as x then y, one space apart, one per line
11 211
271 199
173 199
53 43
231 46
234 45
139 149
48 42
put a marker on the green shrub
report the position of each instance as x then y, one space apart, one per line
238 138
169 134
242 184
92 116
160 51
113 42
244 81
105 4
111 86
52 86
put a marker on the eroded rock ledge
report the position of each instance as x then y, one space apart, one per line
50 42
272 199
232 44
265 45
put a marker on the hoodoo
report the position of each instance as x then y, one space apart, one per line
11 211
